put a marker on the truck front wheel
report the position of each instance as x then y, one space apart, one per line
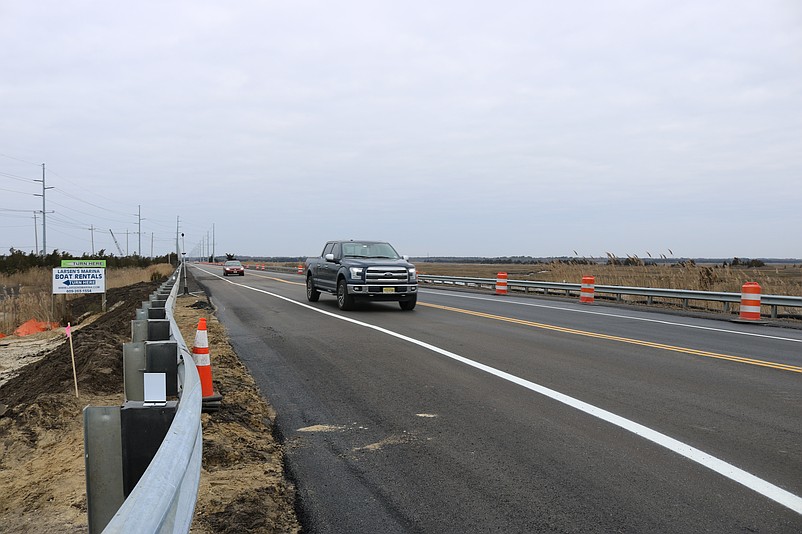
344 301
407 305
312 294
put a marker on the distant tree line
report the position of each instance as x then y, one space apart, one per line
516 260
17 261
746 262
611 259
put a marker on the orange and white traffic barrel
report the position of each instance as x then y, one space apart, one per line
300 269
750 302
200 354
586 293
501 284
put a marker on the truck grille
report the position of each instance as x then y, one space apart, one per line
386 275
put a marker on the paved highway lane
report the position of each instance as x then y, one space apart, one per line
388 434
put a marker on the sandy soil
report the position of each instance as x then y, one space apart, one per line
42 484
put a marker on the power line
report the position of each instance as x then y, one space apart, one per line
74 197
95 193
16 177
159 222
13 191
89 214
18 159
74 223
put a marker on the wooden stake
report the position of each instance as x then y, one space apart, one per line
72 354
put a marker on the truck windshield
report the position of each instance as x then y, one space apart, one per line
369 250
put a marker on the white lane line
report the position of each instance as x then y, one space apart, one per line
618 316
767 489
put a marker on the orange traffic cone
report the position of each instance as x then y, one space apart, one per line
200 354
300 269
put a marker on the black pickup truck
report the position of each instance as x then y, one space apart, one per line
361 270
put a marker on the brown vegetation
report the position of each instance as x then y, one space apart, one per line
773 279
28 295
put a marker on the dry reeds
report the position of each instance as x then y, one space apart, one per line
773 279
28 295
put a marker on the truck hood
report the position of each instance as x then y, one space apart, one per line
371 262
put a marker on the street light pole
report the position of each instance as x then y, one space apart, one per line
184 262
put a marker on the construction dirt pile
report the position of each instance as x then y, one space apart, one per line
42 481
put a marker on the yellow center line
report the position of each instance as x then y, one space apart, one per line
285 281
695 352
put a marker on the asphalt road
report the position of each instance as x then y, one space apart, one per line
478 413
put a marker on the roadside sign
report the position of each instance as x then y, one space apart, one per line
78 280
83 263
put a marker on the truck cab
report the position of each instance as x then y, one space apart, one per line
361 271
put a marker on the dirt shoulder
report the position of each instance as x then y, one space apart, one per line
42 480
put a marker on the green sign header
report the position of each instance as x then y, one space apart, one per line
83 263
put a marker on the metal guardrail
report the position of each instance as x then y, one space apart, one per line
685 295
164 499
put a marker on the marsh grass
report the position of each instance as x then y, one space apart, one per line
773 279
28 295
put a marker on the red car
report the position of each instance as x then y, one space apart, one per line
233 267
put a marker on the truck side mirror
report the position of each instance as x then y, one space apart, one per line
329 257
406 258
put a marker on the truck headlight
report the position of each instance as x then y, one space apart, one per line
356 272
413 275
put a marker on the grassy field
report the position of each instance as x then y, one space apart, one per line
28 295
773 279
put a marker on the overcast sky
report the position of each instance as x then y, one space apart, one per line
459 128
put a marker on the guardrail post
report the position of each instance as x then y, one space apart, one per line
156 313
142 430
103 465
134 361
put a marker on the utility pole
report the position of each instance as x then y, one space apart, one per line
44 211
126 242
139 231
213 241
92 231
177 247
35 232
151 244
184 263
